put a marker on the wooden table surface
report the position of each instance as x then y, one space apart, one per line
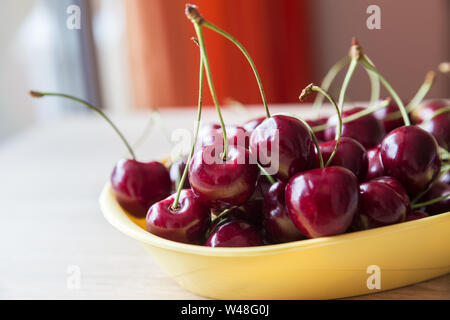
50 221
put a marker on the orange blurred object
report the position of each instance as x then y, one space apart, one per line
165 62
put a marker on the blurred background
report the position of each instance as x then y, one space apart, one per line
138 54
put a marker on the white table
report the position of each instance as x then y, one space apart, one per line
50 219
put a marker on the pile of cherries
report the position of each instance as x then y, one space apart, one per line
368 172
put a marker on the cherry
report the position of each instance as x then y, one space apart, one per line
396 185
212 134
250 125
379 205
221 183
322 202
293 149
410 154
350 154
176 172
320 135
387 118
367 130
427 110
415 215
277 221
438 189
375 167
188 223
138 185
439 127
235 234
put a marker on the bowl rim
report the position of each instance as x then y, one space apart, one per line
117 217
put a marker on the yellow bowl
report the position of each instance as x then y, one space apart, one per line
322 268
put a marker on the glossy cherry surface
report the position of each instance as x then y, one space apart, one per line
188 223
277 221
396 185
383 115
176 172
350 155
438 189
415 215
379 205
250 125
320 135
322 202
294 145
138 185
222 183
211 134
235 234
439 127
410 154
375 168
426 110
366 130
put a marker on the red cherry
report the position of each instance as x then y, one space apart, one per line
320 135
188 223
350 155
235 234
222 183
415 215
410 154
366 130
294 145
396 185
322 202
438 189
375 167
211 134
277 221
426 111
250 125
383 116
379 205
176 172
439 127
138 185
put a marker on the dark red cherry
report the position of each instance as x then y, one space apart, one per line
138 185
212 134
439 127
379 205
383 116
235 234
366 130
415 215
410 154
188 223
427 110
250 125
320 135
222 183
322 202
396 185
375 168
282 143
350 155
176 172
438 189
277 222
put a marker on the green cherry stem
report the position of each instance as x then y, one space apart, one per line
266 174
389 88
37 94
244 51
304 94
355 54
197 127
374 85
432 201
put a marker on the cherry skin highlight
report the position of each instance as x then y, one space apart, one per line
439 127
322 202
235 234
277 221
250 125
350 155
383 116
294 145
176 172
211 134
188 223
366 130
410 154
375 168
222 183
138 185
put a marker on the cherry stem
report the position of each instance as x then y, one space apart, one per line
199 116
374 85
37 94
313 136
439 112
430 202
364 60
266 174
348 76
304 94
420 195
357 115
193 15
327 82
247 56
